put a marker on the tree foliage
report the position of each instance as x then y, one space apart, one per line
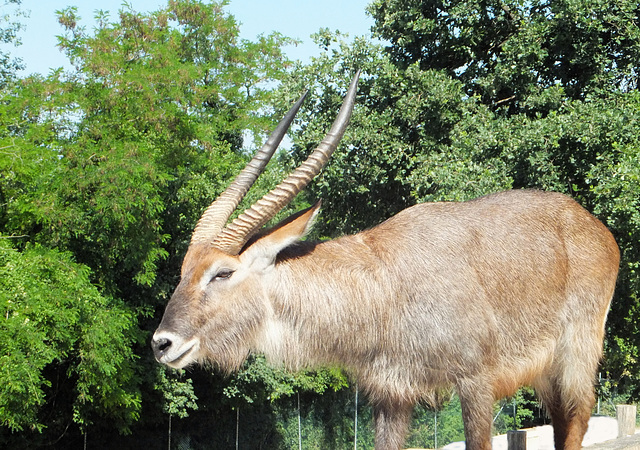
55 322
9 36
177 393
258 382
511 51
105 169
153 127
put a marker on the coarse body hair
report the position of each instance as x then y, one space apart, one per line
483 296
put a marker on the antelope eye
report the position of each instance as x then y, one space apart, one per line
223 274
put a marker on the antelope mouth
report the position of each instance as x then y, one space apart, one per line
177 355
183 359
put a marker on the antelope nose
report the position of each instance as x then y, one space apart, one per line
160 346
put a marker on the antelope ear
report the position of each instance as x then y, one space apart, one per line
265 248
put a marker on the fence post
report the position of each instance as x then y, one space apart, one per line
626 415
516 440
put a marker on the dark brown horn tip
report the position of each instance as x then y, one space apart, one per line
232 238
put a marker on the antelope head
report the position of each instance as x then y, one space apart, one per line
219 304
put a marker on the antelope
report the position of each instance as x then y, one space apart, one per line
482 296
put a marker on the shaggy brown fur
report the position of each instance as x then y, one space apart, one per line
488 295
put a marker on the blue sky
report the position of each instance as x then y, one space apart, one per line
294 18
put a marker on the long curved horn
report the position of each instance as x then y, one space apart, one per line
237 233
218 213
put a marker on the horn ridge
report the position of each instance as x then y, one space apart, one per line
233 237
217 214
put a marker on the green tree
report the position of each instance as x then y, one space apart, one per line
110 166
10 27
153 128
66 348
178 395
398 116
508 52
257 381
57 326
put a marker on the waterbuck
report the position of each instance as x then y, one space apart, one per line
484 296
